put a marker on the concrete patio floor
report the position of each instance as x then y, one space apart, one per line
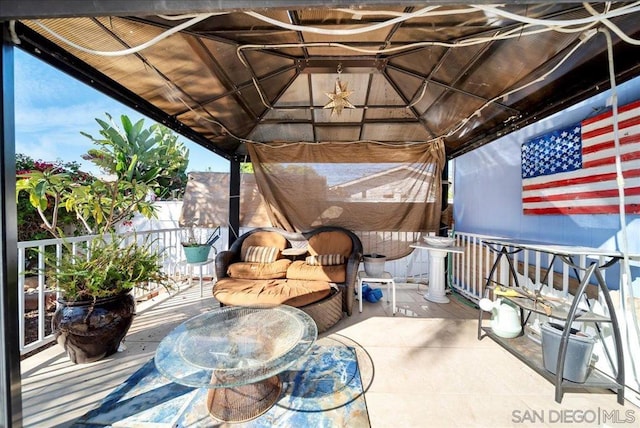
428 370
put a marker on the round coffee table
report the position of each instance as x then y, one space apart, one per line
237 352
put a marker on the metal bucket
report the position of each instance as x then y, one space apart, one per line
374 264
196 254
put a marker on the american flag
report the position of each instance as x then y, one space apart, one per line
572 170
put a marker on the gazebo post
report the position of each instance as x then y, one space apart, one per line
234 199
11 399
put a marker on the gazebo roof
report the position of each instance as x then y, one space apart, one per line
416 71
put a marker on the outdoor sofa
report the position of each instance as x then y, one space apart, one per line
315 271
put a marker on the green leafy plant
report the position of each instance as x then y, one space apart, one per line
108 265
133 153
29 220
98 206
112 267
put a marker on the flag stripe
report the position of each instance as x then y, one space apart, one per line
608 129
600 173
555 181
625 109
586 203
608 193
567 210
579 188
630 136
608 148
609 160
585 179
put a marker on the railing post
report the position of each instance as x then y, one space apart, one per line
504 271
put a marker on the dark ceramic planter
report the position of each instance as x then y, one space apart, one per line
89 332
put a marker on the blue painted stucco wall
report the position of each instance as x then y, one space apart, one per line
487 195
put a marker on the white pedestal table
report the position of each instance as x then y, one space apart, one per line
437 254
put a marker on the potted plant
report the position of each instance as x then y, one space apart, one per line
95 309
196 249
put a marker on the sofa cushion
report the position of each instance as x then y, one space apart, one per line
263 239
301 270
325 260
257 254
303 292
249 270
247 292
330 242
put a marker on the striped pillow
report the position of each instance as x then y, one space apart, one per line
325 260
257 254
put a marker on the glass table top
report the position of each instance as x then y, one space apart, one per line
235 346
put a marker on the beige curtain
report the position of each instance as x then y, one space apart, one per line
386 189
206 201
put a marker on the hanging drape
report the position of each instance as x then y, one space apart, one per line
206 201
385 189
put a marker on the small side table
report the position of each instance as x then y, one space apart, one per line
385 278
199 265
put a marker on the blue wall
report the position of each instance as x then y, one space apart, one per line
487 195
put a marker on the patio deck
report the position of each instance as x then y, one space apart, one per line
429 369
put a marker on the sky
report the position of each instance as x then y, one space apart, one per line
52 109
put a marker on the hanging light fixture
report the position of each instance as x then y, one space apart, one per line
339 97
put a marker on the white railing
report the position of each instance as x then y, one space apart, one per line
467 271
470 270
36 305
411 268
464 274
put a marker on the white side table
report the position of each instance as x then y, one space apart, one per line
385 278
436 292
199 265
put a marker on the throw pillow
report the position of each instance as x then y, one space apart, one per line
261 254
325 260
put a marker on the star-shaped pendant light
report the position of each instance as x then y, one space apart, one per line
338 98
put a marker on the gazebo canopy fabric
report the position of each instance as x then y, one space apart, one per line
228 73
